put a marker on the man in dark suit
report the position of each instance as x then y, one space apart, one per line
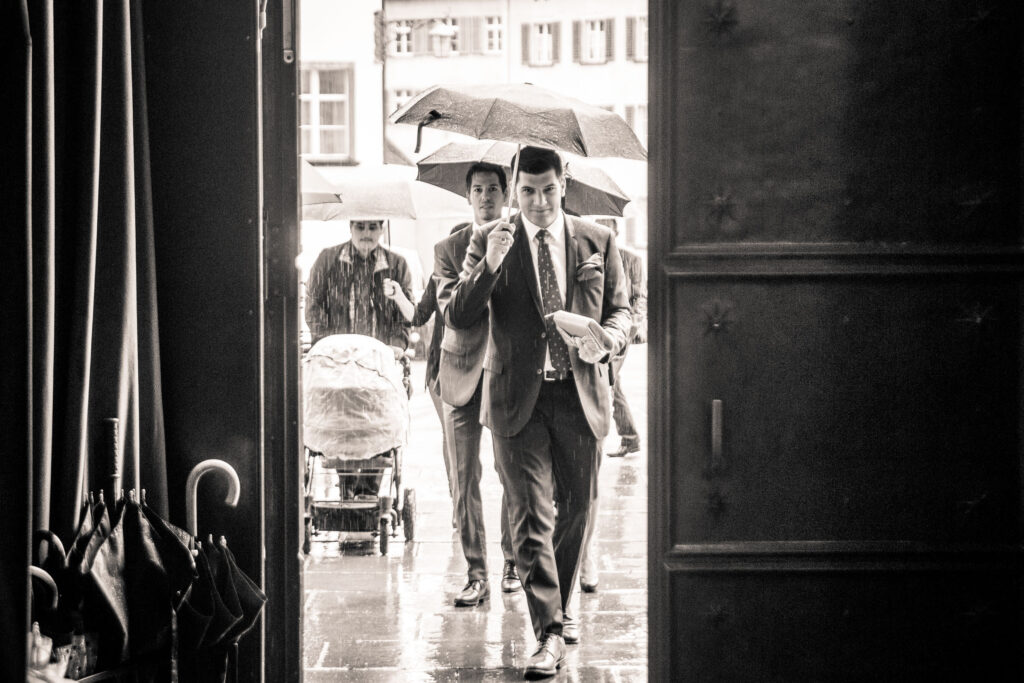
545 395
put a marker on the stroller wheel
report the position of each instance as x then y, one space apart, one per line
385 523
409 513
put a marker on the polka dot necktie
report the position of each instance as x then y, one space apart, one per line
552 300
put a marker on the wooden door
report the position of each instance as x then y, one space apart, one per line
835 378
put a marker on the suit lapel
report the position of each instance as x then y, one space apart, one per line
570 261
521 241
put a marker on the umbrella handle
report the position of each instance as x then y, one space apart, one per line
192 487
515 172
432 115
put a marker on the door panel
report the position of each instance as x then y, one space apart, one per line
852 409
846 626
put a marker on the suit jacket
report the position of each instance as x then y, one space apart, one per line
514 362
462 349
424 310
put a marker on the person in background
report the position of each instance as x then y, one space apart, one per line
459 373
633 265
545 395
352 289
636 283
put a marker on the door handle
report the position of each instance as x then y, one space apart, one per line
717 463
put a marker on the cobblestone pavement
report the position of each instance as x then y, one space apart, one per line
370 617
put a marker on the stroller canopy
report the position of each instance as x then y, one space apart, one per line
354 403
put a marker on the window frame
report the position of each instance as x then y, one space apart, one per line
641 37
535 43
591 37
314 97
495 30
400 34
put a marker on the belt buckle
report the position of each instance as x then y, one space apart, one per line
553 376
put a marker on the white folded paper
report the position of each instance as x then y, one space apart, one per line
579 326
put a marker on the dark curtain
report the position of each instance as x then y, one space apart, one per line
15 336
94 331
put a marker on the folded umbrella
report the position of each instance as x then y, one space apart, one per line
588 190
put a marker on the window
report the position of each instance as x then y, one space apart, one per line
326 113
495 34
593 41
636 38
444 37
636 117
401 37
399 97
540 44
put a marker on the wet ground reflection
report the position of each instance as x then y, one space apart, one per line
390 618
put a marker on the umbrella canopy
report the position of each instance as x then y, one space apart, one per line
588 190
386 199
316 189
524 114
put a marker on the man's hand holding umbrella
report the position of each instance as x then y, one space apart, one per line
499 242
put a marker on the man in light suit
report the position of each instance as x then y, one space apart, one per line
545 395
460 380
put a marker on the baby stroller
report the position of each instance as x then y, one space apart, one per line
356 417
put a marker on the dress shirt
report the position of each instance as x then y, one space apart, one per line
556 247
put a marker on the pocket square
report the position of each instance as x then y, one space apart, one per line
593 266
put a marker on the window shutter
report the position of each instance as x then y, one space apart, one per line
421 39
469 35
576 37
609 39
630 37
526 43
556 42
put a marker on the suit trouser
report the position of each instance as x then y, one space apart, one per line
621 413
463 431
435 398
555 457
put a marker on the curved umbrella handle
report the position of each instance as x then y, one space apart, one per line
432 115
45 577
192 487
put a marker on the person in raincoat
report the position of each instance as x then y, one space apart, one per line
352 287
545 396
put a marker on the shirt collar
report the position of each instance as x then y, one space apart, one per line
556 229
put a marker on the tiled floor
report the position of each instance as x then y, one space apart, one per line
370 617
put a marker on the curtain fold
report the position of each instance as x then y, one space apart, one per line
94 281
16 358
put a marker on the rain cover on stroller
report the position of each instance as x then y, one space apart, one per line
354 403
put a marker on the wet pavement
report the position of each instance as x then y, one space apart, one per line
370 617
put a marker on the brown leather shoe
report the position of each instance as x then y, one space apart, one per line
570 629
626 446
547 659
473 594
510 582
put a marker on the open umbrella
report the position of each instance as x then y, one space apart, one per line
525 114
316 189
588 190
387 199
